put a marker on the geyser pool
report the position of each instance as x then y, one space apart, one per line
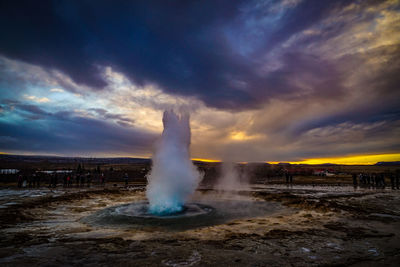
202 213
142 210
173 177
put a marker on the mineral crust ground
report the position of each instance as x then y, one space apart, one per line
278 226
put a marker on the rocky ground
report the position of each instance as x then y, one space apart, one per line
315 226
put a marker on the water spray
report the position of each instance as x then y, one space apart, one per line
173 178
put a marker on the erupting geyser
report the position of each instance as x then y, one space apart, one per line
173 177
171 182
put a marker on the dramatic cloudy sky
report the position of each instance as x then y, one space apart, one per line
263 80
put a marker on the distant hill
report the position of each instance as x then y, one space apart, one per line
388 163
56 159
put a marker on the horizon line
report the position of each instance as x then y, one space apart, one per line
370 159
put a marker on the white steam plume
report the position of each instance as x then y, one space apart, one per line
173 178
231 179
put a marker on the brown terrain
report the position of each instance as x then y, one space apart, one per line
316 220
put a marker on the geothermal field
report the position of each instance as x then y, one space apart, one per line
174 212
266 225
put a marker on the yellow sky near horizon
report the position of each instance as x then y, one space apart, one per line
350 160
347 160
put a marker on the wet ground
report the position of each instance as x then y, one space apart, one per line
267 226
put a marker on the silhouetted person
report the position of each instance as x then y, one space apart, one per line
82 180
291 178
55 181
38 178
51 180
392 180
373 180
88 179
397 179
354 180
19 180
287 177
65 180
35 177
102 179
69 181
24 181
30 180
79 168
376 180
126 179
383 180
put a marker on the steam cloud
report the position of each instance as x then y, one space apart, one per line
231 179
173 178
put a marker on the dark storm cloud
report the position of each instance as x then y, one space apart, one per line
178 45
66 133
169 44
110 116
27 111
34 112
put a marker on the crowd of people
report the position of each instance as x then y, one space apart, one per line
70 179
85 178
288 178
76 178
376 180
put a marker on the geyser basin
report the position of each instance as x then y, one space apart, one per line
136 215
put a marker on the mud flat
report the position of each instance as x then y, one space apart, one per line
266 226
